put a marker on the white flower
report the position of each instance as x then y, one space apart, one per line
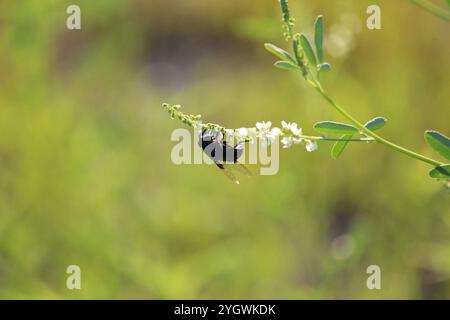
239 134
230 133
311 146
272 135
275 132
263 129
291 127
242 132
198 125
263 126
289 141
267 135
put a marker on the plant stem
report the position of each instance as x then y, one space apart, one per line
367 139
433 9
370 133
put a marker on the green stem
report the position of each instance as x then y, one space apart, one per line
368 139
370 133
433 9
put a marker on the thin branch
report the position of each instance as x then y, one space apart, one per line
433 9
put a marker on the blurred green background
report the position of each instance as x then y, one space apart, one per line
86 176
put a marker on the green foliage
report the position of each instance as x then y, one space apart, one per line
324 67
299 56
287 65
439 142
433 8
441 172
308 50
334 127
280 53
339 146
302 48
298 51
375 123
285 10
288 21
318 38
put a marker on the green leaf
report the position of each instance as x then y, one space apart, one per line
286 65
297 50
375 123
335 127
306 45
438 142
280 53
339 146
441 172
324 67
318 37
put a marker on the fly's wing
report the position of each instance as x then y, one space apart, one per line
225 169
229 169
242 169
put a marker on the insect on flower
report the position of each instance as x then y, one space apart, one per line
224 155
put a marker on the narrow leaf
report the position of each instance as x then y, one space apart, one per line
280 53
318 37
286 65
306 45
335 127
441 172
375 123
339 146
438 142
298 52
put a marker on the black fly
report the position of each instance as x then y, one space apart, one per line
222 153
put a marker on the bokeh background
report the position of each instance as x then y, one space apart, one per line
86 176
